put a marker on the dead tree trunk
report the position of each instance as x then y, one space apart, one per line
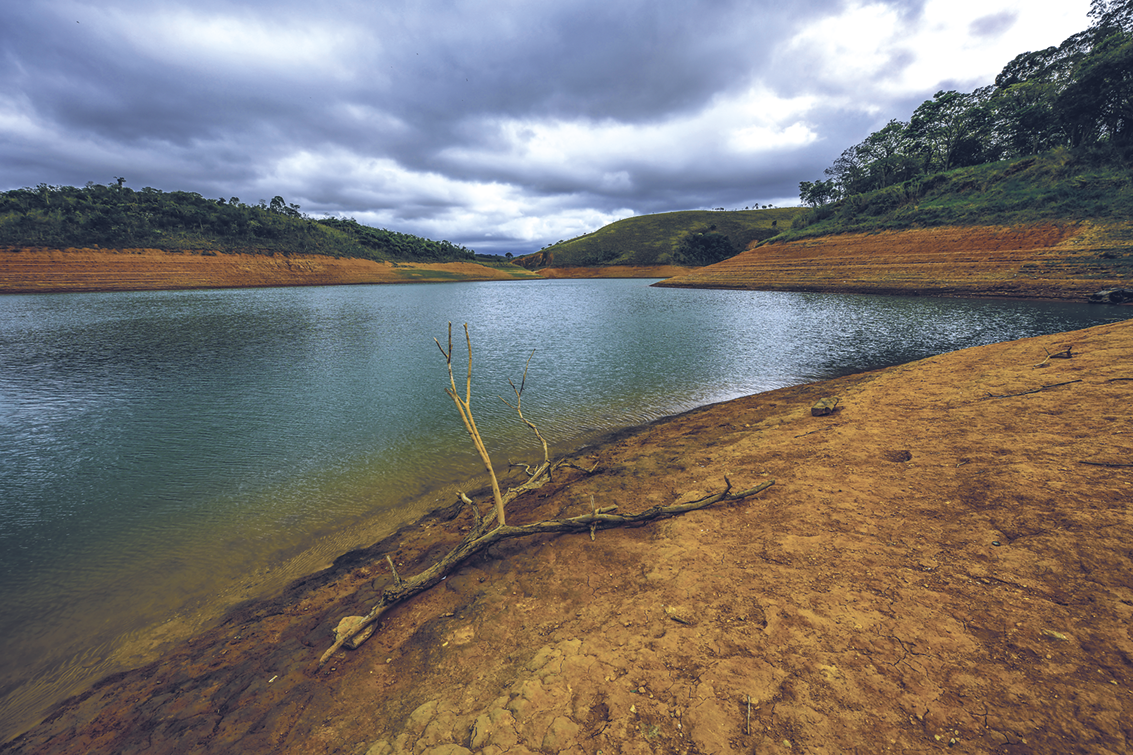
478 540
483 535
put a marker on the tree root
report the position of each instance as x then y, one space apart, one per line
480 538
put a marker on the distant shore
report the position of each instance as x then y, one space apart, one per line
1042 261
1046 261
36 270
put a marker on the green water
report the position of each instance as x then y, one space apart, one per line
164 453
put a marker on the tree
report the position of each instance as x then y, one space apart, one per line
1097 103
882 159
1112 14
952 130
818 193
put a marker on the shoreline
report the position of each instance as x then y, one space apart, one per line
901 434
1045 261
1051 260
41 270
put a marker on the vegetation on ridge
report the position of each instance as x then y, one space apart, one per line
1052 139
118 217
688 237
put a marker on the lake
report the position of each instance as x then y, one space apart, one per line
166 454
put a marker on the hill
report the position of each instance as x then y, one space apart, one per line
1054 225
115 216
1061 185
112 238
687 238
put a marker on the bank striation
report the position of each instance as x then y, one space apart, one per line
1069 260
44 270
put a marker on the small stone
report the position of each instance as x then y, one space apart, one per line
824 407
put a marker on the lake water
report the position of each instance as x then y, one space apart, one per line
162 453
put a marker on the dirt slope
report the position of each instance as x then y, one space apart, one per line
943 564
51 270
616 271
1051 261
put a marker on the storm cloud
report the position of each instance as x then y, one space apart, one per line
499 125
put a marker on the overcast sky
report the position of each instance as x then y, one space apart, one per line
502 125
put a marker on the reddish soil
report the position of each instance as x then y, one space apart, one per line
1068 261
53 270
616 271
945 563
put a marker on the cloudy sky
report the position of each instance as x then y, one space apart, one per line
502 125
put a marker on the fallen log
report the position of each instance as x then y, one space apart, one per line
478 540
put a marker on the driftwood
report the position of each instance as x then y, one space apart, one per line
1065 353
352 630
481 538
1033 390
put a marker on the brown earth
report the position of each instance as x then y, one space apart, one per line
54 270
945 563
617 271
1067 261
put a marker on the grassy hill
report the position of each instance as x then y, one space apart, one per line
1055 225
690 237
1062 185
117 217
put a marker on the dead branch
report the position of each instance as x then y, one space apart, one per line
1104 464
1065 353
519 410
463 405
477 540
1033 390
483 535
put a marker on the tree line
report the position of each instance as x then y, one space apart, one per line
114 215
1075 95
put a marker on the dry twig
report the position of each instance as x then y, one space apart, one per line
477 540
1033 390
482 535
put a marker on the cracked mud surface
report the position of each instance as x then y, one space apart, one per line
945 563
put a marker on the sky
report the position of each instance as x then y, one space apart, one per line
504 125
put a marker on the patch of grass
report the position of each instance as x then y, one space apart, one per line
1059 186
664 239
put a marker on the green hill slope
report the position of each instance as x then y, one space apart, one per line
115 216
1059 185
689 237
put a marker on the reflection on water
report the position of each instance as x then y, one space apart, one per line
162 448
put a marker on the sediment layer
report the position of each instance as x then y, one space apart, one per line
617 271
1064 261
73 270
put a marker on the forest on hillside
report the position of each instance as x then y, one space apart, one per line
116 216
1076 96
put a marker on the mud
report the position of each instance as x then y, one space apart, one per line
944 563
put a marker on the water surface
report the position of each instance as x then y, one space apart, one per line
161 451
